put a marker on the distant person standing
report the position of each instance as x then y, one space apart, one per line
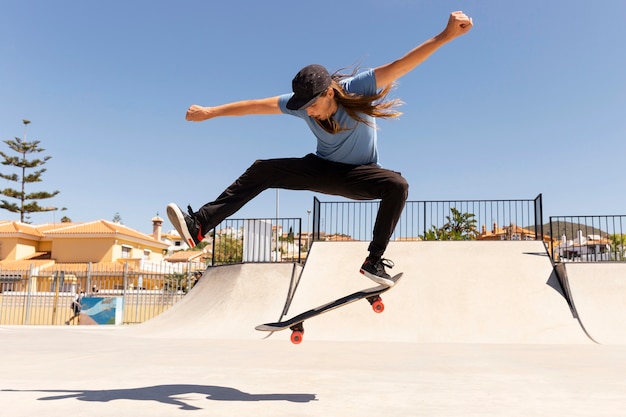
76 306
196 277
341 111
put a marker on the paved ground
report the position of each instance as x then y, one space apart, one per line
469 331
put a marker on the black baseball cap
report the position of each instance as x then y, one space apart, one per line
308 84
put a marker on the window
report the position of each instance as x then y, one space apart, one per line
126 251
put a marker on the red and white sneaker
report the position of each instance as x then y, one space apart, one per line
374 269
188 227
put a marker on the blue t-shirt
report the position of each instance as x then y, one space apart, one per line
356 144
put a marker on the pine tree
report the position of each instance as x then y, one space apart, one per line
27 202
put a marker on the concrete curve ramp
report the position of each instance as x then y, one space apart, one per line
451 292
598 292
459 292
227 302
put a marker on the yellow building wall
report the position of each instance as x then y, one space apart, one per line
137 251
101 250
79 249
24 248
82 250
7 249
45 246
16 248
157 255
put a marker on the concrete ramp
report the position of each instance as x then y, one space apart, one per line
465 292
451 292
598 292
227 303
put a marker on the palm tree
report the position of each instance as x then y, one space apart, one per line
459 226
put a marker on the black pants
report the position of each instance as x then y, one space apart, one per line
358 182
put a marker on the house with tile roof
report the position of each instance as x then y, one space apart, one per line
590 248
96 241
511 232
41 266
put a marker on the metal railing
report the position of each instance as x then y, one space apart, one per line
44 297
31 297
257 240
34 297
355 220
588 238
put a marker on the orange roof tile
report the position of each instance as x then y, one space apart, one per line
185 256
98 227
24 264
51 226
19 227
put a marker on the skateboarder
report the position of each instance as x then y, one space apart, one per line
341 112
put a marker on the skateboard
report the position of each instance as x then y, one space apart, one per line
296 323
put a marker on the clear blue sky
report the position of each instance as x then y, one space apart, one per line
532 100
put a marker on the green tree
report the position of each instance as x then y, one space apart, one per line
176 282
618 245
228 249
27 202
459 226
433 234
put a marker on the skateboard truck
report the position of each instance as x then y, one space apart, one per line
297 330
295 324
376 303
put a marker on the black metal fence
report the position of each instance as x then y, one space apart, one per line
588 238
569 238
44 297
422 220
282 239
258 240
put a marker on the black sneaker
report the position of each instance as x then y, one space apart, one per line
188 227
374 269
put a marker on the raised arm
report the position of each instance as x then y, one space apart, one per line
458 24
268 105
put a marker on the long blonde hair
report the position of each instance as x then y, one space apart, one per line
375 105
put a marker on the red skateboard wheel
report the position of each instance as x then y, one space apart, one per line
378 305
296 337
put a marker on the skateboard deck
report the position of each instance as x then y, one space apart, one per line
296 323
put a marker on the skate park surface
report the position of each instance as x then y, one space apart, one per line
471 329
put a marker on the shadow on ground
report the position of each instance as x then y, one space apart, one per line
167 394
